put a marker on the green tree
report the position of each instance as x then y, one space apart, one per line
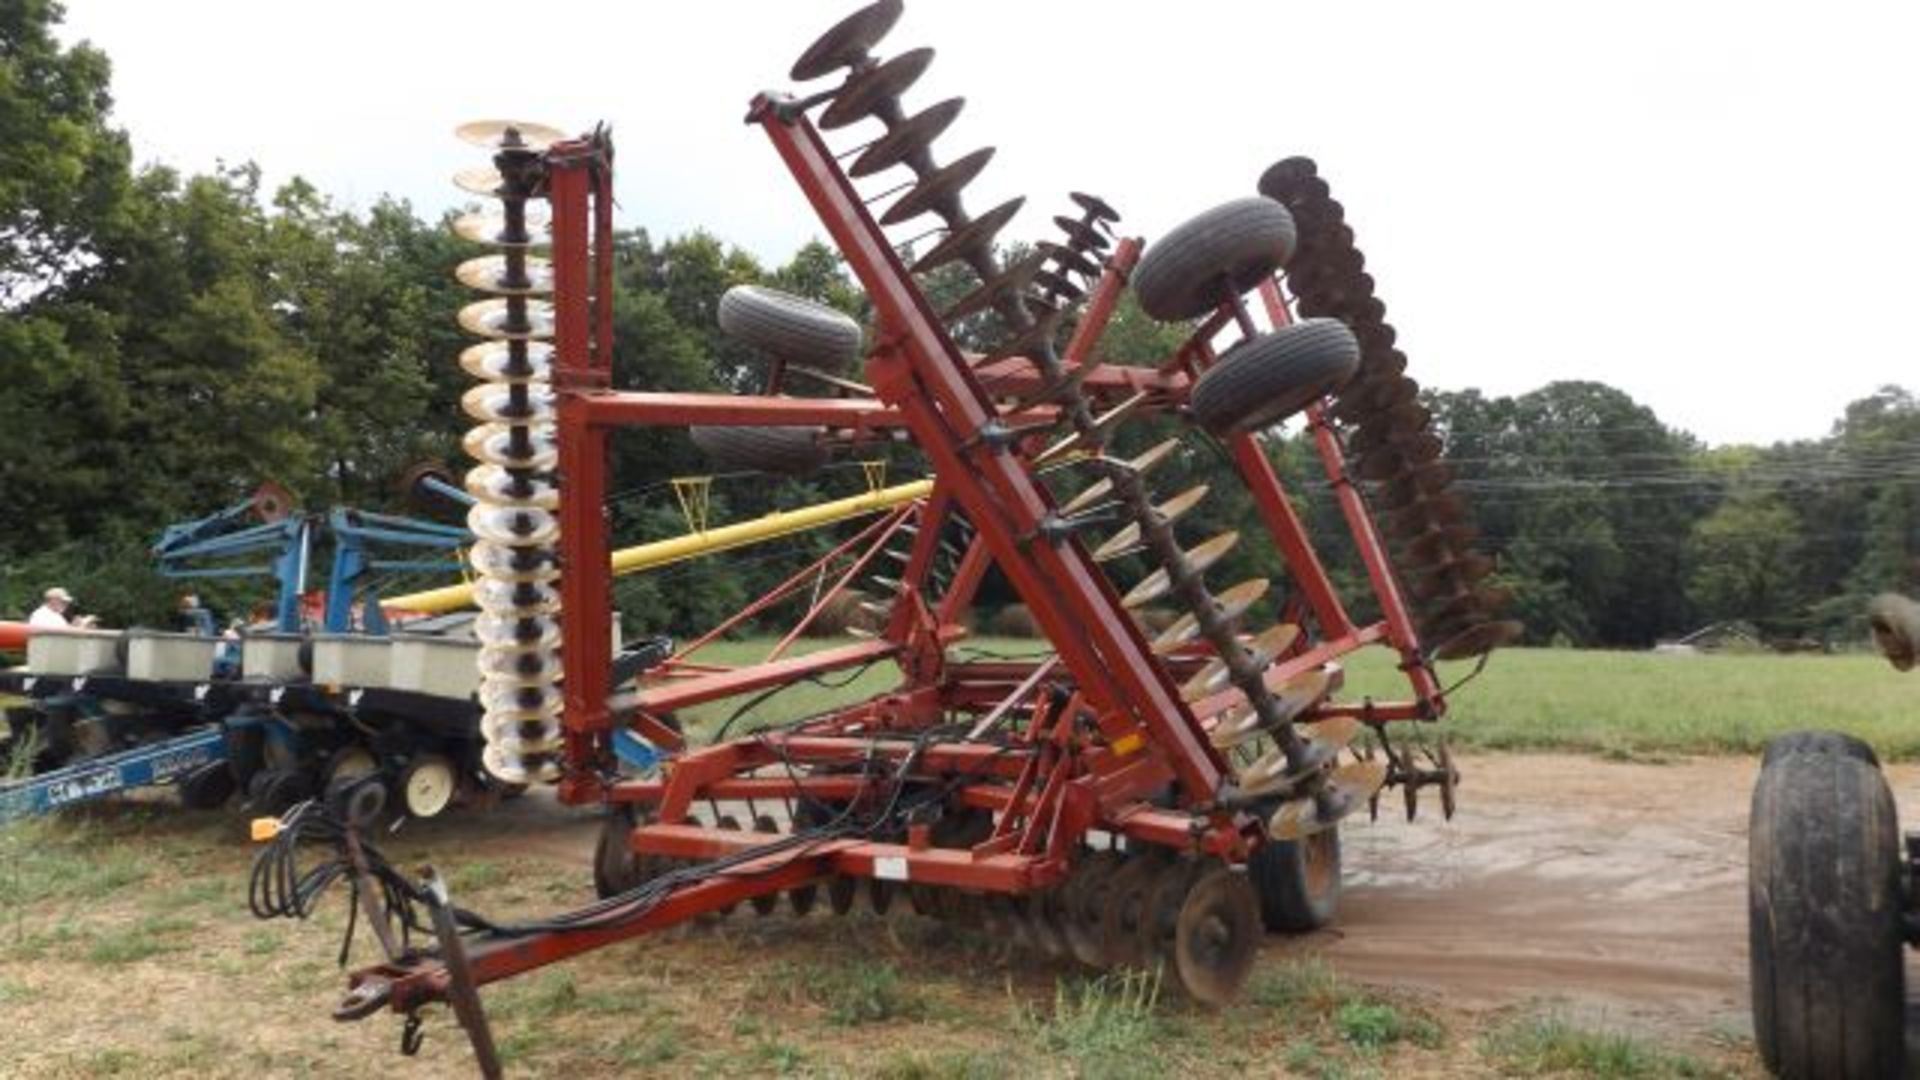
1742 558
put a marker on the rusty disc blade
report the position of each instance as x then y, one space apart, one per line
1210 679
1347 789
940 190
976 235
1435 544
1479 639
1082 235
491 273
1095 435
495 319
1286 177
1416 482
868 91
849 42
1140 466
1095 206
1399 457
1217 936
1436 510
1467 603
1269 775
907 138
1010 283
1198 559
1169 511
1381 429
1444 578
508 134
480 180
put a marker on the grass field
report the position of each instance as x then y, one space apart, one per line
1613 703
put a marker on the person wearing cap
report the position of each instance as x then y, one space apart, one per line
52 612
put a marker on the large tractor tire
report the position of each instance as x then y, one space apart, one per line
1818 742
787 451
1825 895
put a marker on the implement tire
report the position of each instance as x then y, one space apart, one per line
1825 892
1213 257
1298 882
1266 379
1818 742
790 451
790 327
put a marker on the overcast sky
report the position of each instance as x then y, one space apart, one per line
1713 206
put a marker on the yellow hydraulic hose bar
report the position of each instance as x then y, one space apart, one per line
695 544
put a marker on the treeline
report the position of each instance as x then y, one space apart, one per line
169 341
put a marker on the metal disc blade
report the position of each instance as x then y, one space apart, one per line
851 39
1140 465
1207 681
1437 510
938 191
494 319
1094 205
1010 282
508 134
492 229
1347 789
1031 342
1082 235
497 361
1058 388
1058 285
975 235
1398 457
907 138
490 273
1385 427
1069 259
1198 559
1172 510
1436 544
1418 481
479 180
1479 639
1295 696
871 89
1269 774
1489 600
1230 604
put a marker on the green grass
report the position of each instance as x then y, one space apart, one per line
1623 705
850 992
1551 1046
1635 704
1106 1026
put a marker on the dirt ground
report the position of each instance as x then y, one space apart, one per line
1608 892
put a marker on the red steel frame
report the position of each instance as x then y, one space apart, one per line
1047 789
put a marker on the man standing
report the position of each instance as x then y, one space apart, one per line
52 612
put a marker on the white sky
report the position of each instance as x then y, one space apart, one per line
1709 205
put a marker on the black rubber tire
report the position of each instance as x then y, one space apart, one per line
790 451
791 328
1266 379
1297 895
616 869
208 787
1818 742
1825 892
1210 258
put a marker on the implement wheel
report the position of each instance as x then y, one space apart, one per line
789 451
1825 892
1298 881
790 327
1266 379
1818 742
616 869
1212 258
